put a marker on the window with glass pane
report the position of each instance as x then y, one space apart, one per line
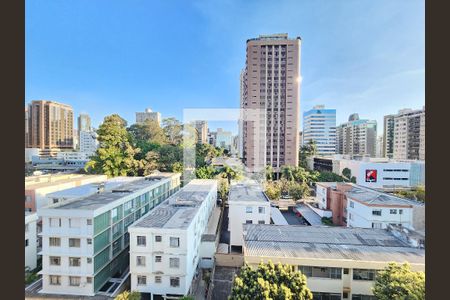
88 279
140 261
74 243
54 242
158 238
158 279
261 210
363 297
55 260
174 262
158 258
141 280
248 209
376 212
74 281
306 270
74 261
55 280
141 241
364 274
174 281
174 242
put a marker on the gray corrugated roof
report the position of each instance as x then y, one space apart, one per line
309 214
374 197
328 243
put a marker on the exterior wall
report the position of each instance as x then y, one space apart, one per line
409 134
319 125
88 142
357 137
361 215
141 117
338 205
237 216
329 285
322 196
31 241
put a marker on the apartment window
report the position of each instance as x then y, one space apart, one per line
74 261
174 242
55 280
140 261
158 279
89 222
364 274
88 279
141 240
376 212
55 222
400 211
158 238
89 260
74 280
158 258
141 280
174 262
345 295
248 222
89 241
26 243
55 260
320 272
54 242
377 225
346 270
261 222
74 243
248 209
352 204
261 210
174 281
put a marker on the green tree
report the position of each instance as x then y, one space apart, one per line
205 172
347 173
127 295
115 156
269 281
150 162
223 189
269 172
204 153
273 190
170 156
307 150
228 173
326 176
399 282
417 194
149 131
173 129
287 173
177 167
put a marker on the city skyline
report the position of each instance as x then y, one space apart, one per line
101 76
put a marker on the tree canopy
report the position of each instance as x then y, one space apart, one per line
269 281
127 295
399 282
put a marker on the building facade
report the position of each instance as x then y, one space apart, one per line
31 240
86 241
165 244
338 262
388 136
88 142
148 114
84 123
270 102
319 125
202 131
357 137
223 139
50 125
247 205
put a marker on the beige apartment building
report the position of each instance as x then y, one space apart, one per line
404 134
338 262
50 125
270 102
148 114
357 137
202 131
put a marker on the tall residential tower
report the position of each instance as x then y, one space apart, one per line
319 125
357 137
270 102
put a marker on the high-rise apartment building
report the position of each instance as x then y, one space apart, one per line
357 137
319 125
270 102
202 131
84 123
50 125
148 114
404 134
26 127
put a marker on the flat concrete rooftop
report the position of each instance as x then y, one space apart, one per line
178 211
249 190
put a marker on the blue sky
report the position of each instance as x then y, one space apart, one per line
108 56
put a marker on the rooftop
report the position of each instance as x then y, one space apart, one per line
373 197
179 210
46 181
317 242
95 201
249 190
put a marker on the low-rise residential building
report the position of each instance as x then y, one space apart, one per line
339 262
85 241
247 205
357 206
37 187
31 240
165 244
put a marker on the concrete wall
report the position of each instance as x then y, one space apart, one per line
229 260
31 238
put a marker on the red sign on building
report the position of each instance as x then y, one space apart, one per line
371 175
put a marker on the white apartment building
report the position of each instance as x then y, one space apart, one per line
408 134
319 125
31 240
338 262
148 114
88 142
367 208
85 240
165 244
357 137
247 205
